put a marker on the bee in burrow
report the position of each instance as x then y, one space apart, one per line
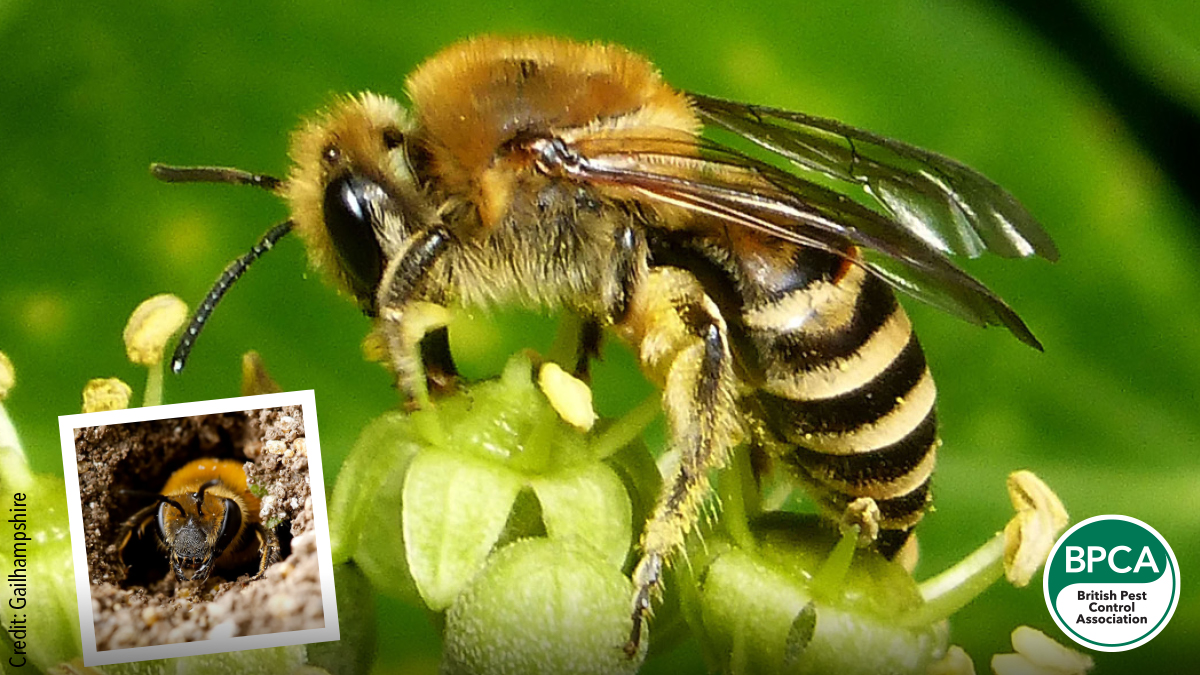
549 173
205 518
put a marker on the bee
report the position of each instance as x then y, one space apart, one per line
205 518
554 174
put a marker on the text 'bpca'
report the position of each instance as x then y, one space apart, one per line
1077 562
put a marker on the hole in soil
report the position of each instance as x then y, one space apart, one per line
123 466
132 463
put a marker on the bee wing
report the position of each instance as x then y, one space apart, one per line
736 189
947 204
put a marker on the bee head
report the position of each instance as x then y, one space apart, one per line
353 197
352 191
197 528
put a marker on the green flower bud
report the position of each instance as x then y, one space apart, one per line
541 606
424 499
355 651
270 661
764 612
429 504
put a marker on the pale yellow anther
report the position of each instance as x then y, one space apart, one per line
863 513
955 662
1037 654
1041 650
8 376
106 394
570 397
151 326
1031 534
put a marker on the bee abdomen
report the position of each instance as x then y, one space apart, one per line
845 384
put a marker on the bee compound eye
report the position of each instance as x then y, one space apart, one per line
350 207
231 525
160 520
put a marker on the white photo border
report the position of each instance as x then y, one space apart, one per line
307 401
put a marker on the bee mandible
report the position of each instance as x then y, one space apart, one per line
548 173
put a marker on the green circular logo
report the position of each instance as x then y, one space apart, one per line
1111 583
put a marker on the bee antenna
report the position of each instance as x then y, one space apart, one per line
212 174
126 492
231 274
199 496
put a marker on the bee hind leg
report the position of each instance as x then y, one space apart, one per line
268 548
682 339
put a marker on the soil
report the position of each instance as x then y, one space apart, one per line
121 465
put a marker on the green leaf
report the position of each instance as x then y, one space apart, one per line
455 508
589 505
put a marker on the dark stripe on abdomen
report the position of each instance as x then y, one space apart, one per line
872 307
846 413
852 397
877 471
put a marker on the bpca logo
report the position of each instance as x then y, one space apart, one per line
1112 583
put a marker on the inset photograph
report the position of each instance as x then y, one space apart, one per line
199 528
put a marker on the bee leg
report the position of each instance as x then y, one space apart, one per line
177 567
590 335
135 523
683 340
625 260
268 547
441 374
406 320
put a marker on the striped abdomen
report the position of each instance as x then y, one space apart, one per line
837 375
845 385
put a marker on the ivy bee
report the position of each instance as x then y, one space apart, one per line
547 173
205 518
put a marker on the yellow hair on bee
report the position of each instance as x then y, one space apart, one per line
472 98
355 126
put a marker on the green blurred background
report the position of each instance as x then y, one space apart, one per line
91 93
